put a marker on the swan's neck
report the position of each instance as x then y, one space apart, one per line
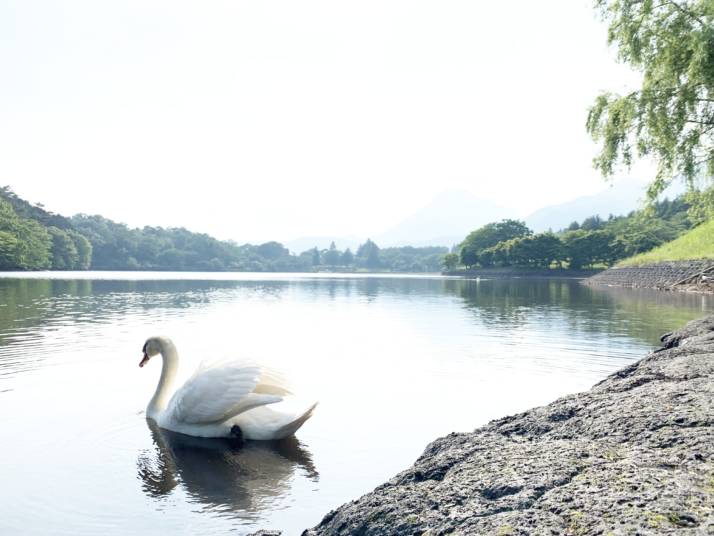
169 357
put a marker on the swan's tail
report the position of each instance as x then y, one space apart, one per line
293 426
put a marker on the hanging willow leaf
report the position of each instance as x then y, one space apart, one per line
671 116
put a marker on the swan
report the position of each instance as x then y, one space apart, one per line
223 399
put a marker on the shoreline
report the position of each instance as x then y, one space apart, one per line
681 276
634 454
525 273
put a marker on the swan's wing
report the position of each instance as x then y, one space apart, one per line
219 391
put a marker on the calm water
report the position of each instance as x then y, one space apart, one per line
394 361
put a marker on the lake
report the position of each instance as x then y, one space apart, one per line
395 361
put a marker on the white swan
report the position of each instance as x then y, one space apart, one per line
225 399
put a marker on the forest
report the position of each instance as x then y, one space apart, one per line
32 238
593 243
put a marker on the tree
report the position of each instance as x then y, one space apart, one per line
671 116
450 261
488 236
171 259
587 248
413 259
149 247
272 250
315 256
538 251
8 246
593 223
347 258
490 256
331 257
30 246
468 256
369 254
502 253
84 250
64 253
641 234
27 210
548 249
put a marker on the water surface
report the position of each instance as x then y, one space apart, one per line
395 362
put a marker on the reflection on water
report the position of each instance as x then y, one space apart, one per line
368 348
221 474
512 303
33 309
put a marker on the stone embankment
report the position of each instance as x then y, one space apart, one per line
634 455
681 275
508 272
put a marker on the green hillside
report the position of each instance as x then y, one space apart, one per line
697 243
32 238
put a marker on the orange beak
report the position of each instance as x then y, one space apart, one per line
144 360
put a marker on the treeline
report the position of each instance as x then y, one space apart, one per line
591 243
32 238
117 247
370 257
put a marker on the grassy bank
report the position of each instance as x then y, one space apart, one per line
695 244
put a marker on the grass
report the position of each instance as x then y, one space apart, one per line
695 244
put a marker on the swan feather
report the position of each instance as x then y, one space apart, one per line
219 391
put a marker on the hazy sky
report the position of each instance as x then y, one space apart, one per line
276 119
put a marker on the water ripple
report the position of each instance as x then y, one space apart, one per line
395 361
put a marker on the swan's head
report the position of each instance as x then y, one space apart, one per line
153 346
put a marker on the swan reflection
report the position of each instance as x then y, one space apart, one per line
221 474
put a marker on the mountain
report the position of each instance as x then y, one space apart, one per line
445 221
618 199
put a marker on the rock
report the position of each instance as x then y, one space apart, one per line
634 455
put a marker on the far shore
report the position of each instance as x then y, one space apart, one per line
484 273
504 273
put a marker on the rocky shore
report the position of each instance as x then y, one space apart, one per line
634 455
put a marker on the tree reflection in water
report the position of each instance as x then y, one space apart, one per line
220 474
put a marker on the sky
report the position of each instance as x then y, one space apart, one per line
278 119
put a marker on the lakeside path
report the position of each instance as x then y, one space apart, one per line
633 455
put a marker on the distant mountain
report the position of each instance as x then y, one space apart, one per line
445 221
621 198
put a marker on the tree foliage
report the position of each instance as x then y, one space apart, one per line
412 259
368 254
488 236
331 257
25 209
31 238
24 243
537 251
671 116
593 242
588 248
64 251
451 261
347 258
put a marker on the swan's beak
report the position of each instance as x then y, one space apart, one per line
144 360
